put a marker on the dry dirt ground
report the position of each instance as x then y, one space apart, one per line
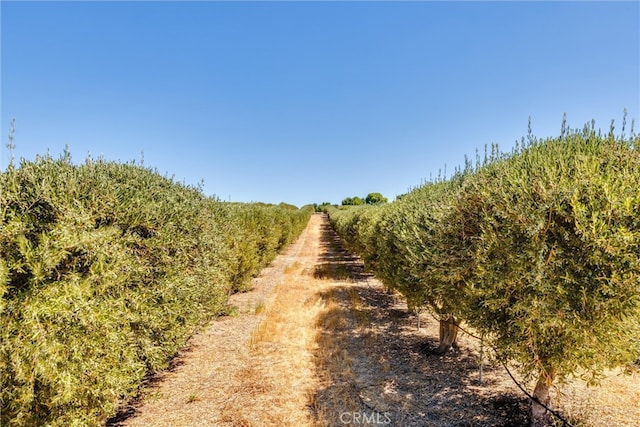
319 342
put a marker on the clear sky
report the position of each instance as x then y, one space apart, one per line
307 102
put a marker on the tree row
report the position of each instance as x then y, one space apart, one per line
538 250
105 271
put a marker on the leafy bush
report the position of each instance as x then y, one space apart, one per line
555 237
105 270
538 249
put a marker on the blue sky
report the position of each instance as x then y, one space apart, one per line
307 102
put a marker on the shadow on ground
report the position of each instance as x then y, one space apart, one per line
337 263
130 408
375 371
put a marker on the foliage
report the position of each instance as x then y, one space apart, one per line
538 249
352 201
105 270
371 199
555 238
375 199
321 207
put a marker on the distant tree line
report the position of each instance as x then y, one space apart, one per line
371 199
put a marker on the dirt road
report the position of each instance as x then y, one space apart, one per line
320 342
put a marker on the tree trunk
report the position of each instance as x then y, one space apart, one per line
540 417
448 334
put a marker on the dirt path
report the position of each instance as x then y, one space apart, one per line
320 342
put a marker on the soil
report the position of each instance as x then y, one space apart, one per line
319 341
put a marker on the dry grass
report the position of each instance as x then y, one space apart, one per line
333 365
318 338
615 402
219 379
293 268
260 308
371 361
274 388
331 271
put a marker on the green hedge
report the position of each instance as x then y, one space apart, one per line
105 271
538 249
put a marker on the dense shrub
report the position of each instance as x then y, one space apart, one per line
260 232
538 249
105 270
554 277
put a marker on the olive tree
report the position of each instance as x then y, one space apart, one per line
552 259
375 199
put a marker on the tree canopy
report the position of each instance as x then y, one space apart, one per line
352 201
371 199
375 199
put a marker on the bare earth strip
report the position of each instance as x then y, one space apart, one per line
318 342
